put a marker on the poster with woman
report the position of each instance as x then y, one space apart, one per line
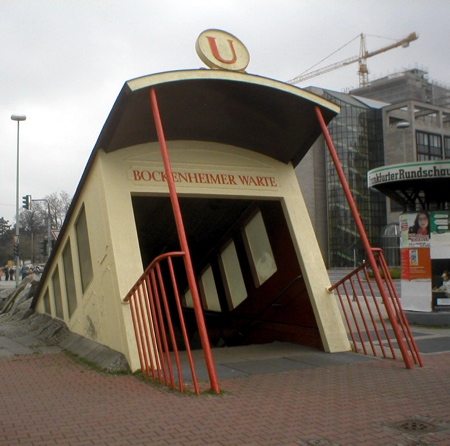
415 246
425 254
416 263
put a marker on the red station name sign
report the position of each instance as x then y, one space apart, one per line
223 179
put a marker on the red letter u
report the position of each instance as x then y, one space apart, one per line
215 50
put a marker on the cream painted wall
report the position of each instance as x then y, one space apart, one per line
326 310
101 314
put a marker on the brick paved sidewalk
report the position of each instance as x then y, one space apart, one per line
48 399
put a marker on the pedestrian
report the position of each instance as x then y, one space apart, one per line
6 270
24 271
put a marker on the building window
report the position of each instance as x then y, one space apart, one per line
447 147
429 146
69 279
84 250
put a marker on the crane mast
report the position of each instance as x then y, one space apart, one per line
363 71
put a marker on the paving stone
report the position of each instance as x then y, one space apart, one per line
290 396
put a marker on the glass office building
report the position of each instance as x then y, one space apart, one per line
358 137
367 135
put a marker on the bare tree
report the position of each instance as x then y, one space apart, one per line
32 221
35 223
59 205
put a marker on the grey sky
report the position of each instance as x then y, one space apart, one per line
63 62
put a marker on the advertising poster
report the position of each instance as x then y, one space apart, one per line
416 262
440 259
415 246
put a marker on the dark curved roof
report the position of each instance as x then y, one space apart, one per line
253 112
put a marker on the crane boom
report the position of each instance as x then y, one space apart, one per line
360 58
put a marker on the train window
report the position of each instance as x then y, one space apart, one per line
232 275
47 307
188 301
259 250
209 290
84 250
57 294
69 279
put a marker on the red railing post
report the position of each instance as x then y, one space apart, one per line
184 246
363 235
183 326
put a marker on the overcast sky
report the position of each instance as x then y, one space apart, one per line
63 62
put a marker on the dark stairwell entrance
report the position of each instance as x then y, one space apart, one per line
247 297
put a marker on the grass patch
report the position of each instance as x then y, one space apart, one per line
143 377
93 365
188 387
396 272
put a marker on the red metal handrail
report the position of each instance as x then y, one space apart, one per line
361 308
158 349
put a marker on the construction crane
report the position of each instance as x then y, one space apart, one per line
363 71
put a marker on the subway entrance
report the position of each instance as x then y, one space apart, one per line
249 278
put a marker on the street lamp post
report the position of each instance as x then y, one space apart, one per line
17 118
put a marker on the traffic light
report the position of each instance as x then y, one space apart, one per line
16 250
26 200
43 247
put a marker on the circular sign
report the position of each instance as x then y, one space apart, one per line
219 49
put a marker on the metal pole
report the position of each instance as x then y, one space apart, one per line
49 232
17 207
17 118
185 247
363 235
